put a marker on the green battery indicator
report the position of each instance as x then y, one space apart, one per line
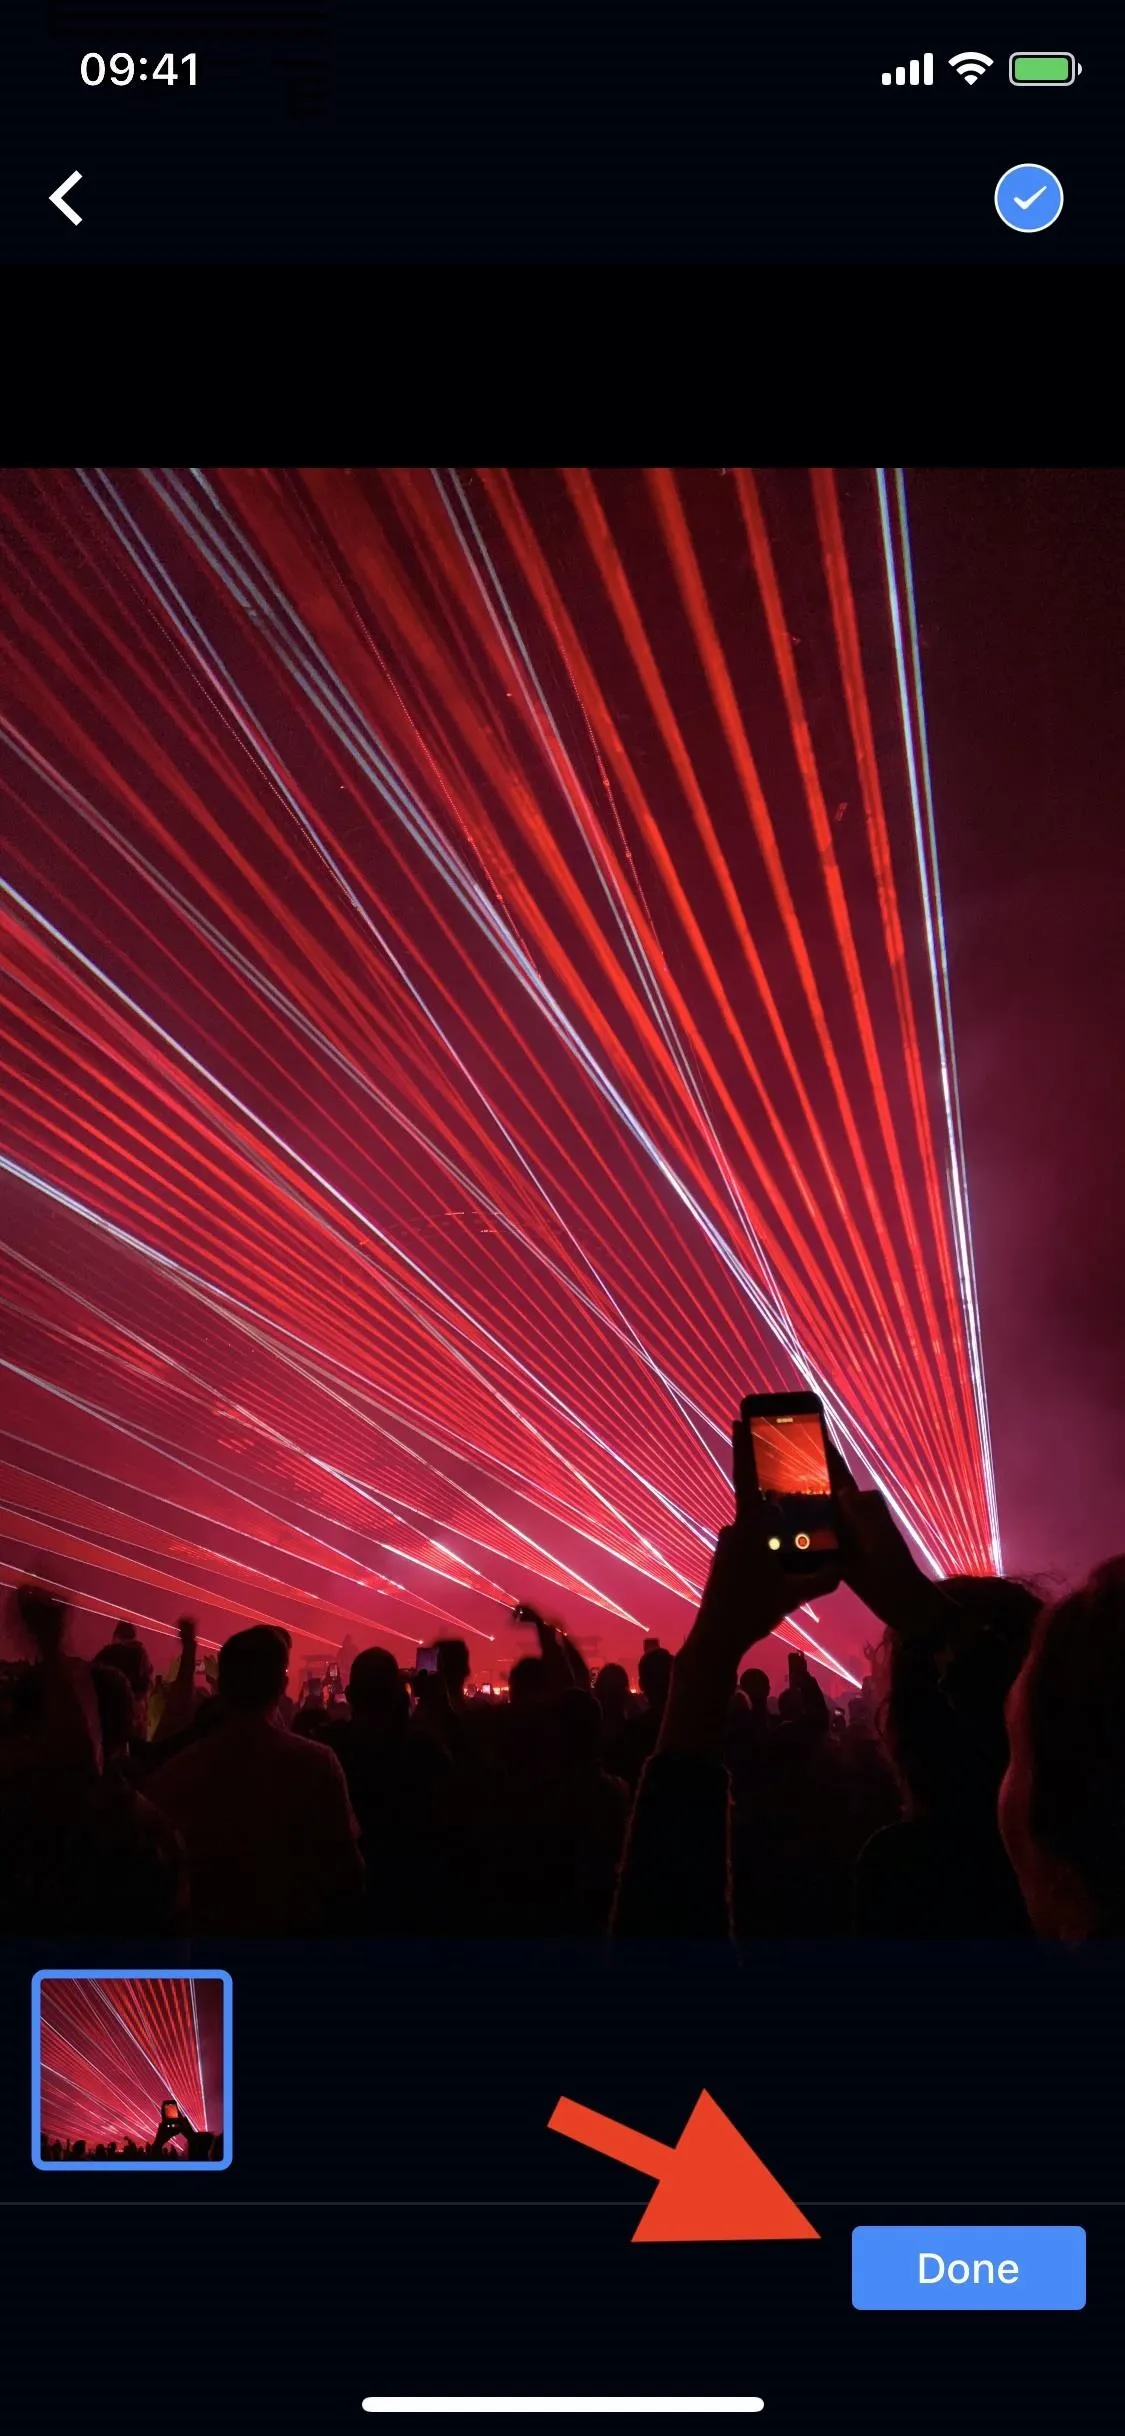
1043 68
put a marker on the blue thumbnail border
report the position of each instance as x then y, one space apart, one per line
133 2165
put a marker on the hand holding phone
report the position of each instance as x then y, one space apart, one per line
748 1593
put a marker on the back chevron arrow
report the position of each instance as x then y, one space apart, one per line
62 191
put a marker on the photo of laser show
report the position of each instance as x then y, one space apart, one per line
524 995
131 2071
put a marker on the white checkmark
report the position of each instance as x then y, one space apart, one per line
1025 203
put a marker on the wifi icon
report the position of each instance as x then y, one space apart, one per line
970 65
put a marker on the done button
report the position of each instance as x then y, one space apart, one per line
968 2267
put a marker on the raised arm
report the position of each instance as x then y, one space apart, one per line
675 1878
179 1697
875 1560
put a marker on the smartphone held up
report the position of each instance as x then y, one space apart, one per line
788 1453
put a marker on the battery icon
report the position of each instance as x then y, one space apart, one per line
1043 68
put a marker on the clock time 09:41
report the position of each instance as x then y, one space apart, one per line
123 68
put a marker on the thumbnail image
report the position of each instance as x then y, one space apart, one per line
129 2070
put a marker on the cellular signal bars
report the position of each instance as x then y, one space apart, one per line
918 73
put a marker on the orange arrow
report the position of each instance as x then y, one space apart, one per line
710 2187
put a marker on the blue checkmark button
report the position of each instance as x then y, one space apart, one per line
1029 197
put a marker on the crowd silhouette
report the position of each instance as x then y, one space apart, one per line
975 1788
176 2143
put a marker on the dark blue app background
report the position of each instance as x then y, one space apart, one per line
318 131
399 2220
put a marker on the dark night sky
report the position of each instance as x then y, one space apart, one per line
1021 600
